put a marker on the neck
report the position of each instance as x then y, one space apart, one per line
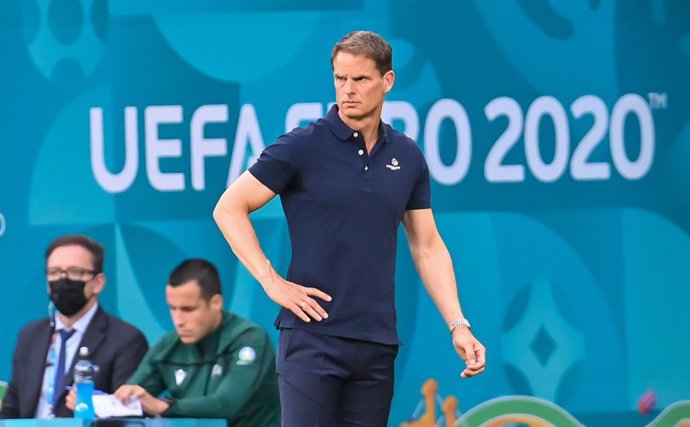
217 323
214 328
368 126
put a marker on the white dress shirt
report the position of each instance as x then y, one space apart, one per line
45 407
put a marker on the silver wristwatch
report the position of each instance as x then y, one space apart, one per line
458 322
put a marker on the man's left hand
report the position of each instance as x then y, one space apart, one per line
470 350
71 399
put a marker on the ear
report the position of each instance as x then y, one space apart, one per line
216 302
388 81
98 283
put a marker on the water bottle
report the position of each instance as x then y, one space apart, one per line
83 379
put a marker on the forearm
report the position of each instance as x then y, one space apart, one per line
435 268
203 407
244 196
233 221
146 376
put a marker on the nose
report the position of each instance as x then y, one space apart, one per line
178 319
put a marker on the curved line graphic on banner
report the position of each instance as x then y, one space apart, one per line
197 40
78 56
524 409
62 164
675 415
589 25
131 304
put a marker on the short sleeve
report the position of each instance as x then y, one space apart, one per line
277 165
420 198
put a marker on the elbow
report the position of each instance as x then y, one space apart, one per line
426 250
223 209
228 213
218 212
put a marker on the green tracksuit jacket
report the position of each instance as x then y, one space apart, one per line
229 374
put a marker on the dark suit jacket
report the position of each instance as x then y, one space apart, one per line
115 347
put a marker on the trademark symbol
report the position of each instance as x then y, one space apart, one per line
657 100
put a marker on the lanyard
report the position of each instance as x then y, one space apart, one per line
51 366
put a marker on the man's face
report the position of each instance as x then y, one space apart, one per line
194 318
76 263
359 86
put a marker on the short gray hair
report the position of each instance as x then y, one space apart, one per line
368 44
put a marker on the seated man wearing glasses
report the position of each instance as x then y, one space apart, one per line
46 349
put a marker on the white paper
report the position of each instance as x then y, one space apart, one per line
106 405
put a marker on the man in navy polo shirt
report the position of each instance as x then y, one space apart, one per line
345 182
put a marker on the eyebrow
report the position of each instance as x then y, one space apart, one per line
182 307
68 267
357 77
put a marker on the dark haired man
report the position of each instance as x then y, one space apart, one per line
345 182
214 365
45 353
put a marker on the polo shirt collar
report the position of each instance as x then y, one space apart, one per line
342 131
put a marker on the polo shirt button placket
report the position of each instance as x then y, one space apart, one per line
361 151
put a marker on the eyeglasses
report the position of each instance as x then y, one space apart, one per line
72 273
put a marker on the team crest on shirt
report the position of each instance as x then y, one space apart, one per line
246 356
180 375
394 165
217 370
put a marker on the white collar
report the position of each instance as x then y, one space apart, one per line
81 324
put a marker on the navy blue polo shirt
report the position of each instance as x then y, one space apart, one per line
343 209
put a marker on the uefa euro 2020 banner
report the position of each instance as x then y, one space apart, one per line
557 135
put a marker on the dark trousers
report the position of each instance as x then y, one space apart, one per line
328 381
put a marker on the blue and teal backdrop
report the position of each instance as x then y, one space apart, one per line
557 135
